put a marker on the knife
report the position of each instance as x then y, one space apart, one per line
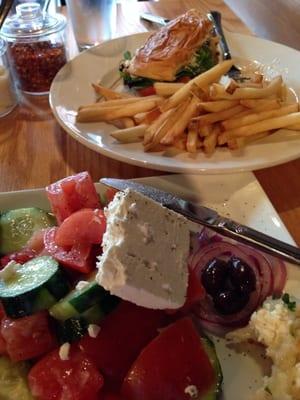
154 18
210 218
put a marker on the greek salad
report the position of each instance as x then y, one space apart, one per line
95 306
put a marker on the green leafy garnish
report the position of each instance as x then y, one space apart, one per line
291 305
202 61
127 55
267 389
135 81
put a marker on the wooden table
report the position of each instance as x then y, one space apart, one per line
35 151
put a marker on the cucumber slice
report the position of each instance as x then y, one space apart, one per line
17 227
80 300
31 287
13 380
73 329
216 390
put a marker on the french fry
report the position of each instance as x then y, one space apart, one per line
180 143
247 93
216 106
243 141
128 122
183 119
208 119
121 102
250 111
155 125
168 124
263 126
150 116
205 130
251 119
295 127
203 80
255 103
210 142
109 94
192 138
231 86
166 89
116 112
130 135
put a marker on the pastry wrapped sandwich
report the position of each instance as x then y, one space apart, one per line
185 47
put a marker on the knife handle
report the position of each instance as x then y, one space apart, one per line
216 20
259 240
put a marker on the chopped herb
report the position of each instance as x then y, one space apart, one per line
291 305
267 389
127 55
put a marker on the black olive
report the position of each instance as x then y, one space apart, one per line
214 276
230 302
241 276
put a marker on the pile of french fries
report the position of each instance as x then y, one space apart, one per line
210 110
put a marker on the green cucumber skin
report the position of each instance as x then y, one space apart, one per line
43 296
216 391
86 297
17 227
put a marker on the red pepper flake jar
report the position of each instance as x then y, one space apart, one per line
36 49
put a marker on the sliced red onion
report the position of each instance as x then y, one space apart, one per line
270 275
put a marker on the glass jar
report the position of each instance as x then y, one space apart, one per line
8 98
36 47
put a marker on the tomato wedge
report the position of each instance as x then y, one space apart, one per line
172 362
72 194
147 91
124 333
83 226
77 257
27 337
20 257
74 379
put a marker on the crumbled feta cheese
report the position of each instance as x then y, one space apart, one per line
93 330
64 351
277 328
144 253
81 285
192 391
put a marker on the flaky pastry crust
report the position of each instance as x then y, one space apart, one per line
172 47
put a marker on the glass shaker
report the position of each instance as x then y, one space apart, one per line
35 47
8 98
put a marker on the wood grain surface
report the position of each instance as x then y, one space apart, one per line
35 151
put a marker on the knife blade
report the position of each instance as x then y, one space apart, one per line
154 18
211 219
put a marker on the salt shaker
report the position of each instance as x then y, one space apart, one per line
8 98
36 47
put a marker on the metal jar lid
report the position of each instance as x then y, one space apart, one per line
30 22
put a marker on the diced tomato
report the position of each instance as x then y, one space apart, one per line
78 256
27 337
173 361
83 226
74 379
184 79
124 332
72 194
20 257
147 91
195 292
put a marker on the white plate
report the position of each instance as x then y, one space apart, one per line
238 196
71 88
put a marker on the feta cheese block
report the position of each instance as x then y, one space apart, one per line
145 251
